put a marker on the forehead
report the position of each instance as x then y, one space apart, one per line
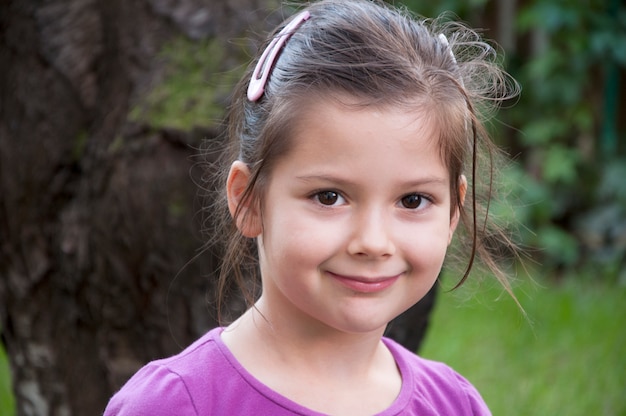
334 133
411 126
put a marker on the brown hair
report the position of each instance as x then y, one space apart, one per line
381 56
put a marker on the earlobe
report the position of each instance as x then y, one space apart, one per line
244 211
454 221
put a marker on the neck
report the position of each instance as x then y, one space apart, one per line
307 345
321 368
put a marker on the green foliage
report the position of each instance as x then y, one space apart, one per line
435 8
569 196
566 359
561 115
195 86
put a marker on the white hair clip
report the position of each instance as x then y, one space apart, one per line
444 40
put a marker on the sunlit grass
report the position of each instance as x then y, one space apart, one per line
7 405
568 358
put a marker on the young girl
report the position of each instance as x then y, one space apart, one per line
352 138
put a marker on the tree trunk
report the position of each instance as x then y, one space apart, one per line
96 211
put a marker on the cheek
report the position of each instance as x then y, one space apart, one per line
429 250
287 238
307 244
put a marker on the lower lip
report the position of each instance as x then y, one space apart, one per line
365 287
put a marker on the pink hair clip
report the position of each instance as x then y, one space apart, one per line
266 61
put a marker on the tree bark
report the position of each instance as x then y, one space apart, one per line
96 211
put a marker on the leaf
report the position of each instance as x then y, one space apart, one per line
560 165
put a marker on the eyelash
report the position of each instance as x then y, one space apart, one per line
336 195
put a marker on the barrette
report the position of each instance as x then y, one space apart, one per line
266 61
445 42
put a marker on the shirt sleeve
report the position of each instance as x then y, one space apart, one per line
152 391
476 402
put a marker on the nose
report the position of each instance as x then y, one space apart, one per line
371 235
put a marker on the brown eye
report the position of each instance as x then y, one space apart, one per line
327 197
412 201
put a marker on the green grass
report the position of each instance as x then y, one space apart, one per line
568 358
7 404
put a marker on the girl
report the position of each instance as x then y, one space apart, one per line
351 137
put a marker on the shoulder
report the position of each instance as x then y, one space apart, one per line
153 390
171 385
435 383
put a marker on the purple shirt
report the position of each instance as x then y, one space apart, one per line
206 379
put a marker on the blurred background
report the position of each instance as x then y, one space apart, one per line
104 106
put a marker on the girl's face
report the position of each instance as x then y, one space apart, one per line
355 219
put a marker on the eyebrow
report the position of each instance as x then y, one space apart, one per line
428 180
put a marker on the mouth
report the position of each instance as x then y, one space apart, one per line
365 284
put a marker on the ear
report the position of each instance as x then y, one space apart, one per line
245 213
454 221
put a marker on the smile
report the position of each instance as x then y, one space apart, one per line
365 285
